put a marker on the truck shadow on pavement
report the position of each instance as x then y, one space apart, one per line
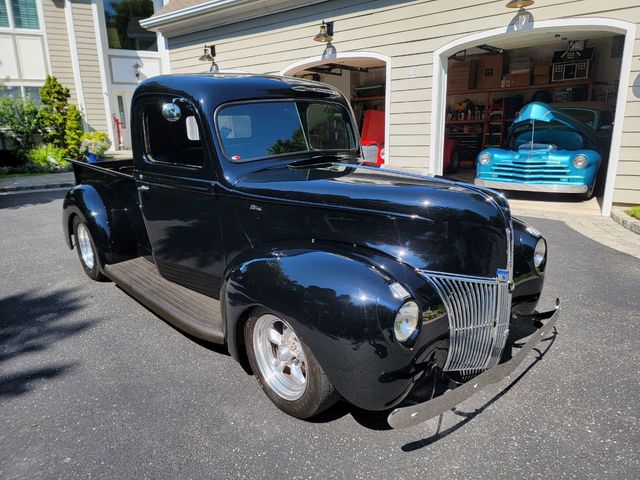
378 420
30 324
26 199
468 416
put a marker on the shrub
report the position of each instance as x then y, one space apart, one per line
96 143
20 121
635 212
73 132
53 113
46 157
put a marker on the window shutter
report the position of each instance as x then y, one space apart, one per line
25 14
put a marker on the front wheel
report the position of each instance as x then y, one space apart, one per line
285 367
588 195
87 250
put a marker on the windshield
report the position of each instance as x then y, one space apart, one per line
255 130
543 136
588 117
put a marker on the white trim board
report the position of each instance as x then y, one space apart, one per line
75 64
97 9
321 59
439 88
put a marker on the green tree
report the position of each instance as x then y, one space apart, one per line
55 105
73 132
20 121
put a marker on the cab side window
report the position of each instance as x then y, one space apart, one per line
177 142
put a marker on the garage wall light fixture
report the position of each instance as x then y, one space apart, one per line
209 55
137 70
520 3
325 35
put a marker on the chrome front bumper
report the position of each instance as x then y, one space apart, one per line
415 414
531 187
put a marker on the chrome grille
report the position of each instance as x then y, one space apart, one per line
479 311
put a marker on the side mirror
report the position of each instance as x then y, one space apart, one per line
171 112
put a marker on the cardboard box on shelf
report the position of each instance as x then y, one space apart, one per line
541 79
490 69
522 79
541 70
462 76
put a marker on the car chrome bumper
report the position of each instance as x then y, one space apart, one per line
415 414
531 187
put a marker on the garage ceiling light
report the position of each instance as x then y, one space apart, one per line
520 3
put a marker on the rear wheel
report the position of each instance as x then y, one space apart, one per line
285 367
87 251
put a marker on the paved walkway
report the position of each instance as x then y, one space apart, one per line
36 182
596 227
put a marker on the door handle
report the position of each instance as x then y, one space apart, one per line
143 188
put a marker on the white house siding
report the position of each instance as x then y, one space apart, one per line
58 43
408 32
86 45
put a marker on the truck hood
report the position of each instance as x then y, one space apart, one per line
428 223
542 112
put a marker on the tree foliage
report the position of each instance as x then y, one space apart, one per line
20 121
55 105
73 132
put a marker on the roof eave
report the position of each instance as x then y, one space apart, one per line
215 13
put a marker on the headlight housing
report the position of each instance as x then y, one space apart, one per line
407 322
580 161
484 158
540 255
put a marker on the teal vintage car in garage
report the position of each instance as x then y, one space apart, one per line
550 149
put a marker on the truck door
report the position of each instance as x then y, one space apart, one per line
175 180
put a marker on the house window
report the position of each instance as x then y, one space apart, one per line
4 15
123 25
25 14
16 91
19 14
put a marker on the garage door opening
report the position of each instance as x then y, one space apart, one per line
363 78
534 113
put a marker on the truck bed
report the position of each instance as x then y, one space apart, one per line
85 172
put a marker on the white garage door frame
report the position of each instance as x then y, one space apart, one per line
322 59
440 62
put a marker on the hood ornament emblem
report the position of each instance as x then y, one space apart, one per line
503 275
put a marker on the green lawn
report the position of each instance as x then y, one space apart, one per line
634 212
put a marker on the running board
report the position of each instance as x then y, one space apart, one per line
190 311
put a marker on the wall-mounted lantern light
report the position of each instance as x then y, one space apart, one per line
520 3
209 55
325 35
136 70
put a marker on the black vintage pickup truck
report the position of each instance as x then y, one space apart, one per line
247 218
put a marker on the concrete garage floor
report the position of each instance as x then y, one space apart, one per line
556 204
93 385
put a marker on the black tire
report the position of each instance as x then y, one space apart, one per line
588 195
319 393
92 271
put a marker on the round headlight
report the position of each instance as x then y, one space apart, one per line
407 321
540 254
580 161
484 158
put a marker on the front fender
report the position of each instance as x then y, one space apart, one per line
339 301
111 234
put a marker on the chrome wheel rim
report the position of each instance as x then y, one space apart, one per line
280 357
84 244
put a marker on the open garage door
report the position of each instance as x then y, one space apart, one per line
363 79
532 114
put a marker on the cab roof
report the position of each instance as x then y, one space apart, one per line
212 89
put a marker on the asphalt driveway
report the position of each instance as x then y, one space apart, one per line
93 385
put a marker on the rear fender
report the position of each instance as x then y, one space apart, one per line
339 301
109 228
